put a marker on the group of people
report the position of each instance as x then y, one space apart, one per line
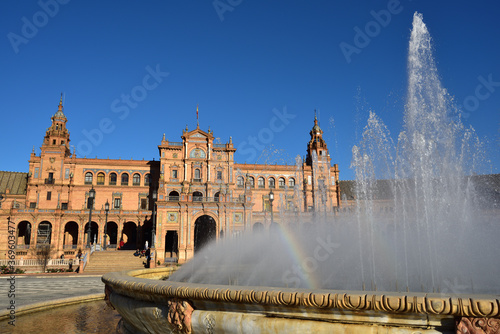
146 253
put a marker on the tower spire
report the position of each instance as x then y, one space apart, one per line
60 107
197 119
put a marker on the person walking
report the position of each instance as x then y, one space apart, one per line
148 257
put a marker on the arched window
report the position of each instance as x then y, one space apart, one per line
240 182
173 196
216 196
261 183
197 196
291 182
281 183
147 179
136 179
124 179
272 183
251 181
112 179
88 178
197 175
100 178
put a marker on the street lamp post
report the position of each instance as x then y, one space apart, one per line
106 208
154 196
91 204
271 199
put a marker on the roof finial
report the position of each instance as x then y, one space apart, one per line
60 108
163 137
197 119
60 103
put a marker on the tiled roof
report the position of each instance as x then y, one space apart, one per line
14 181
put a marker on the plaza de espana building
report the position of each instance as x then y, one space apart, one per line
201 194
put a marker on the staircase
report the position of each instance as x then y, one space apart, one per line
102 262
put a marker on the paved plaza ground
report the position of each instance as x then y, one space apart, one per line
30 289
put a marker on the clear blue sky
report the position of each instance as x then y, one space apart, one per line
238 64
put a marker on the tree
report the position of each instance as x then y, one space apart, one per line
43 254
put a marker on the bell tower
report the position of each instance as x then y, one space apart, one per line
57 136
316 144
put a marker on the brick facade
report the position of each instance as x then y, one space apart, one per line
201 191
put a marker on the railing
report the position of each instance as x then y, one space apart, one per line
85 260
220 145
206 199
49 181
70 246
95 248
174 143
19 247
37 262
196 180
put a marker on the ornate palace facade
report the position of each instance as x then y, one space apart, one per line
202 194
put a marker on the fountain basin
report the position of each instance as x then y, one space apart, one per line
150 305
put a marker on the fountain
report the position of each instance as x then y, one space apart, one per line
421 260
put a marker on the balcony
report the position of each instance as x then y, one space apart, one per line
49 181
214 199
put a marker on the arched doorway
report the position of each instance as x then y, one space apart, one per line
112 233
205 230
258 228
44 233
23 234
171 244
70 239
129 235
94 233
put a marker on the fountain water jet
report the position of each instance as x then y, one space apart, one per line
431 241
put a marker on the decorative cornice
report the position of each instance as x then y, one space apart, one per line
119 171
478 306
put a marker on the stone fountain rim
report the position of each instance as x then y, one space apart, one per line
133 284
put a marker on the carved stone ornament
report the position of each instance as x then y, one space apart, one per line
179 315
478 325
